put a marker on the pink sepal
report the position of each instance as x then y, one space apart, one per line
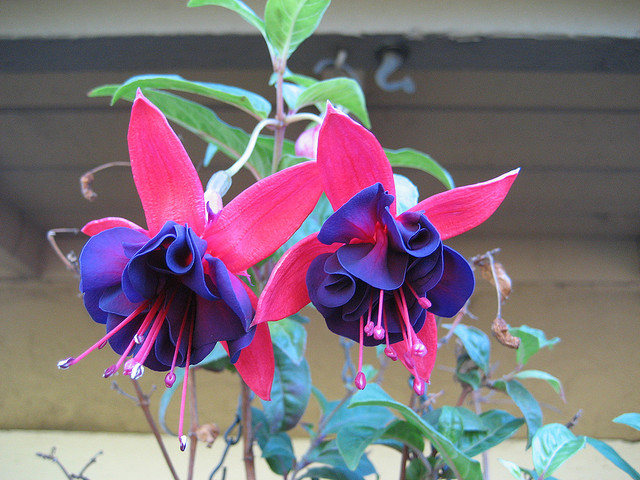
167 182
455 211
256 364
350 159
96 226
286 290
429 336
263 217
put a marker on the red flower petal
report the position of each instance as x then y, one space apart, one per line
455 211
286 290
429 336
260 219
167 182
256 364
350 159
96 226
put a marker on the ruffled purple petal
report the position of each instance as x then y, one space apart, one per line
376 264
236 346
454 288
103 259
91 300
412 233
358 218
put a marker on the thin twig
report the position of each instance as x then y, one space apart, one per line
457 319
70 260
143 402
229 442
52 456
574 420
91 461
247 432
86 180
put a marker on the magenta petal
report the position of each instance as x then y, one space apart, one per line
455 211
350 159
256 364
263 217
286 291
96 226
167 182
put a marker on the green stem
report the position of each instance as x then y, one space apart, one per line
279 67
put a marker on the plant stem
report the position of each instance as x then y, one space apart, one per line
247 432
485 454
279 67
193 404
143 401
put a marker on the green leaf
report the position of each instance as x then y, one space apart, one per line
328 453
462 466
553 445
332 473
515 471
540 375
468 372
288 23
346 416
165 400
290 337
278 451
209 154
406 433
408 157
416 470
237 6
613 456
531 341
245 100
104 90
217 360
499 426
476 343
528 405
353 440
289 394
345 92
630 419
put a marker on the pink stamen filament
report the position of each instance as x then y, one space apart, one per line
170 378
182 438
114 368
150 339
98 344
378 331
360 380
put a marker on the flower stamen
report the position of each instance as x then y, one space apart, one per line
182 437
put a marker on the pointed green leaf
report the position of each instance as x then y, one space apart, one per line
499 426
416 470
405 433
547 377
353 440
332 473
288 23
528 405
553 445
613 456
515 471
327 453
104 90
291 338
345 92
278 451
245 100
630 419
237 6
209 154
531 341
410 158
476 343
461 465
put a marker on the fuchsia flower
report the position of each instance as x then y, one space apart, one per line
169 293
375 276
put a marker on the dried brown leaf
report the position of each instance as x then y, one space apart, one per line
500 331
208 433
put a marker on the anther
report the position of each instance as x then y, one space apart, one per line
64 364
110 371
360 381
419 349
391 353
418 386
368 328
424 302
138 338
102 345
170 379
137 371
183 442
378 332
128 366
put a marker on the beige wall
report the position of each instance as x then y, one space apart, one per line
585 291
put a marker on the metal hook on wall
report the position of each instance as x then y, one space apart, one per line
338 64
391 59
